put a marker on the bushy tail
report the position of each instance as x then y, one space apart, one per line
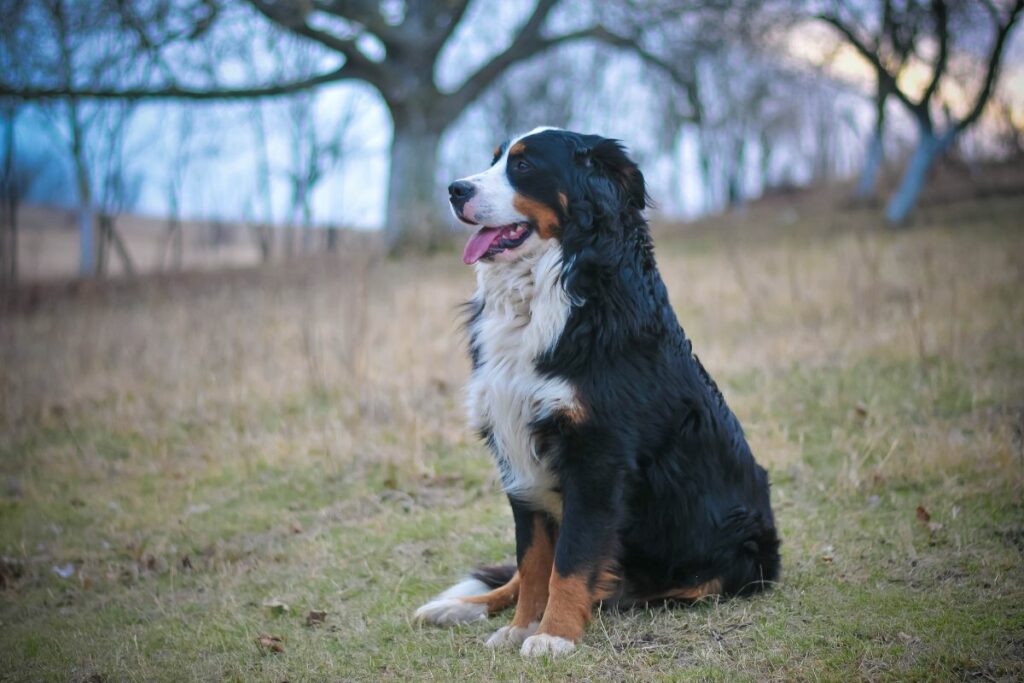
495 576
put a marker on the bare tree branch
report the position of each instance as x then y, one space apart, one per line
941 15
173 91
363 12
995 60
525 47
872 57
454 16
297 23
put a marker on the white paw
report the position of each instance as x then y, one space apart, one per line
511 635
543 644
450 611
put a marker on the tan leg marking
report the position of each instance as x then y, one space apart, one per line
534 574
569 607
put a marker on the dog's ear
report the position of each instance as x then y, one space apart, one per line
610 158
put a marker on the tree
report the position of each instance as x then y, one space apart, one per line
894 41
18 175
314 153
934 138
172 252
395 47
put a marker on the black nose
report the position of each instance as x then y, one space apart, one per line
460 190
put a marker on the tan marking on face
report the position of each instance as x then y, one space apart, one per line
497 153
500 598
535 573
543 216
569 607
712 587
518 148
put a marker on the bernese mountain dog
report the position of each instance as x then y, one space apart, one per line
629 477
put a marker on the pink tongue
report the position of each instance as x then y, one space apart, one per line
479 243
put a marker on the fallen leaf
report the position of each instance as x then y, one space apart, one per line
276 607
186 563
64 571
10 570
922 515
315 617
296 528
271 643
861 410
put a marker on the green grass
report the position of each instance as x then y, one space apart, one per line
198 459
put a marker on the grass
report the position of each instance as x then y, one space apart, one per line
209 463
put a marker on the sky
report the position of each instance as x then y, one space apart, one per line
219 181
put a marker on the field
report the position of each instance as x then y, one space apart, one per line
260 476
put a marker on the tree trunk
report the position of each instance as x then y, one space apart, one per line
113 238
414 220
9 239
867 186
86 214
86 246
735 176
929 148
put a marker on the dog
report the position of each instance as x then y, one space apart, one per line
630 479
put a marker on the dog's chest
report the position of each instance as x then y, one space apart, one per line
524 313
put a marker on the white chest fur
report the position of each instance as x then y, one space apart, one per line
525 310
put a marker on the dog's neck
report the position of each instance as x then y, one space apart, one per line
523 283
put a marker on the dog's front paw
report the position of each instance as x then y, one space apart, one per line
545 644
511 635
450 611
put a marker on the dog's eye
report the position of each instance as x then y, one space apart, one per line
522 165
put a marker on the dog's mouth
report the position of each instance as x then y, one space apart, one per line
487 242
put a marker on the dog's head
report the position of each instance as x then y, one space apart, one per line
548 184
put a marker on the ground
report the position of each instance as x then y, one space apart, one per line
191 469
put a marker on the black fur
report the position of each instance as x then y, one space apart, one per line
658 479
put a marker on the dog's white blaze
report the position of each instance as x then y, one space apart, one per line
492 203
524 314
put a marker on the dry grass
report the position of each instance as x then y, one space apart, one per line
296 436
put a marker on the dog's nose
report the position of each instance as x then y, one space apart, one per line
460 190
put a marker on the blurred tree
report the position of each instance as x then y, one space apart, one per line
894 41
116 187
394 46
263 225
315 151
172 253
18 174
934 138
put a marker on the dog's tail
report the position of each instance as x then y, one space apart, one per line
494 576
